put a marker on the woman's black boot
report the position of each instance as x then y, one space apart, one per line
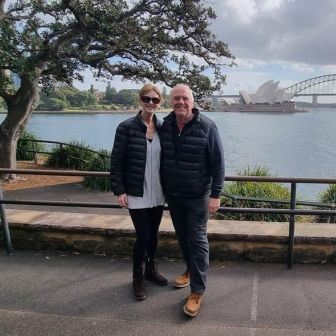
152 274
139 290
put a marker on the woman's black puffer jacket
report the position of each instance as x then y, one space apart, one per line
128 158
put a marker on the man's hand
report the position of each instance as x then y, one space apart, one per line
122 199
214 204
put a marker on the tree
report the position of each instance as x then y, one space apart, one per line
126 97
66 97
92 90
47 41
109 93
166 101
53 104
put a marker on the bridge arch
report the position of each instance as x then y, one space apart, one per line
295 90
300 86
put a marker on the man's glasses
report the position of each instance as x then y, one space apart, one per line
147 99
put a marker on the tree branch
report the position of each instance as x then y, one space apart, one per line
2 9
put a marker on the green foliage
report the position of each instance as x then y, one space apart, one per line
75 155
3 106
92 89
135 40
49 42
78 98
102 107
53 104
256 171
126 97
66 97
109 93
24 146
327 196
99 163
262 190
166 98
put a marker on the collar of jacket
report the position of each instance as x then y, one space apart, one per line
171 117
142 125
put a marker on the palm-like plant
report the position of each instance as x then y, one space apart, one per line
257 194
328 196
100 163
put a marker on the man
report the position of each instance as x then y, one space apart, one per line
192 175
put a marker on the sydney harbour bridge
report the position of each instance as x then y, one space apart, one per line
321 86
315 87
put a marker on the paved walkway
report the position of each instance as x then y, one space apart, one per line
61 294
102 222
72 192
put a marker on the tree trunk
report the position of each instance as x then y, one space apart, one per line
7 153
20 107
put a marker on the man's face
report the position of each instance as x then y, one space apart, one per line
182 102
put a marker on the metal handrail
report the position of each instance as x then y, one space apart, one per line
274 200
292 211
34 151
59 143
310 180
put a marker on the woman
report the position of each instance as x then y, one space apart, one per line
135 179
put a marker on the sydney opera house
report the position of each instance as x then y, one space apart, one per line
268 97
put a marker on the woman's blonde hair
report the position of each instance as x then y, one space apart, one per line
150 87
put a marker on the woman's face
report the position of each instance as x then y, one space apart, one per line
150 102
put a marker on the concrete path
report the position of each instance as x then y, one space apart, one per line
71 192
60 294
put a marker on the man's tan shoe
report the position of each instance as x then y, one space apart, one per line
182 280
193 304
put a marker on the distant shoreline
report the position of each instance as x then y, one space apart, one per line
89 112
161 111
80 112
85 112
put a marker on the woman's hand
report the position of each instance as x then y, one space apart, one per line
122 199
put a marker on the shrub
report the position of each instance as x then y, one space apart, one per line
52 104
25 147
99 163
259 190
3 106
75 155
327 196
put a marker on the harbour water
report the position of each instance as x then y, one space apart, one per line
289 144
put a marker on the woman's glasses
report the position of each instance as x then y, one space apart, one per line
153 100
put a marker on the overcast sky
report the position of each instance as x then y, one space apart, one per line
285 40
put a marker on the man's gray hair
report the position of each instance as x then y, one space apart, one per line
184 86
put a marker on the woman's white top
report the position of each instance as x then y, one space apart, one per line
153 195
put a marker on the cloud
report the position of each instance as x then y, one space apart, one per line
300 67
244 80
101 83
249 63
299 31
285 40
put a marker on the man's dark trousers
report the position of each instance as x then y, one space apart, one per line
190 217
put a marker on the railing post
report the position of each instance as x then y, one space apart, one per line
62 154
34 153
290 256
5 229
332 219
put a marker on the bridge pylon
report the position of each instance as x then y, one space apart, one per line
314 100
